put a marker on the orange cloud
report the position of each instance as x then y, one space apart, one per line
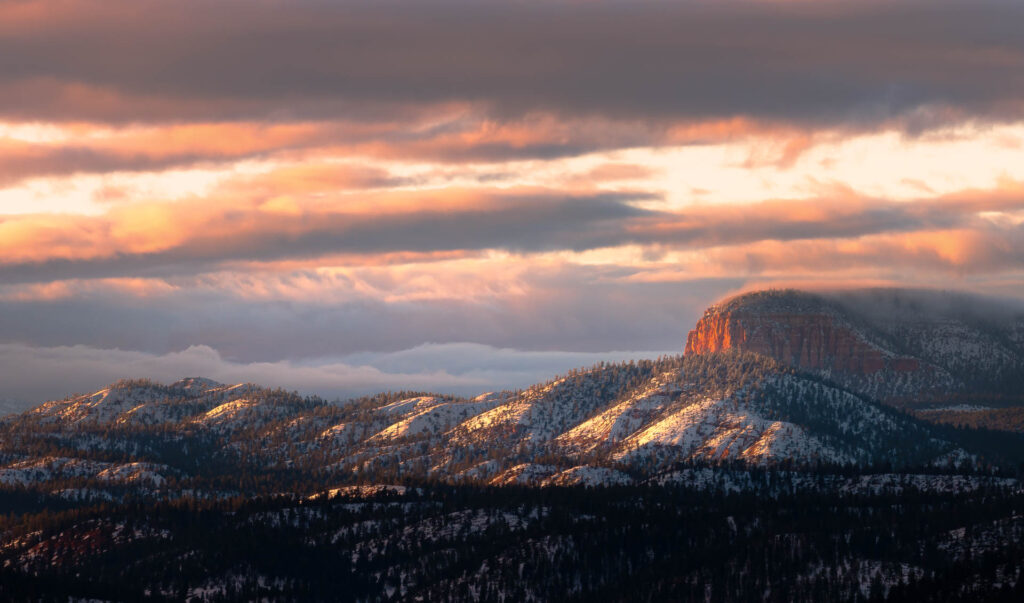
94 149
253 222
301 213
959 252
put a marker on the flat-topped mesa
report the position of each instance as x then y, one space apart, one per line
902 346
795 328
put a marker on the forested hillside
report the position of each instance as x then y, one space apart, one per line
613 423
466 543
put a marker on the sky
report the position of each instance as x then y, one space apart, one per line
346 197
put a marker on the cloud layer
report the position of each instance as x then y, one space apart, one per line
40 374
303 190
970 229
855 64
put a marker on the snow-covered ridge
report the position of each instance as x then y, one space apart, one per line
35 470
613 423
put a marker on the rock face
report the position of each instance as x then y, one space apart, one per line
884 343
818 342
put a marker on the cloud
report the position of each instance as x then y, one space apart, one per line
332 184
451 137
34 374
613 172
541 304
297 213
985 250
148 238
840 217
856 65
94 149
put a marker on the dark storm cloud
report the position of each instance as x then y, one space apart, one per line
819 64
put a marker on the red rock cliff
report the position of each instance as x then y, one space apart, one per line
807 340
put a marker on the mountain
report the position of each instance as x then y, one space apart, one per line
770 450
611 424
781 379
915 349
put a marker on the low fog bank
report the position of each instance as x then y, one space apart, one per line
31 375
889 303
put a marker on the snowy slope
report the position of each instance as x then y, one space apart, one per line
610 424
434 419
36 470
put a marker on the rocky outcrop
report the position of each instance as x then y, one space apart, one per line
818 341
819 335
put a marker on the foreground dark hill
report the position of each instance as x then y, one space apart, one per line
917 349
470 543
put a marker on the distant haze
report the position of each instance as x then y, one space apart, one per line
34 375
